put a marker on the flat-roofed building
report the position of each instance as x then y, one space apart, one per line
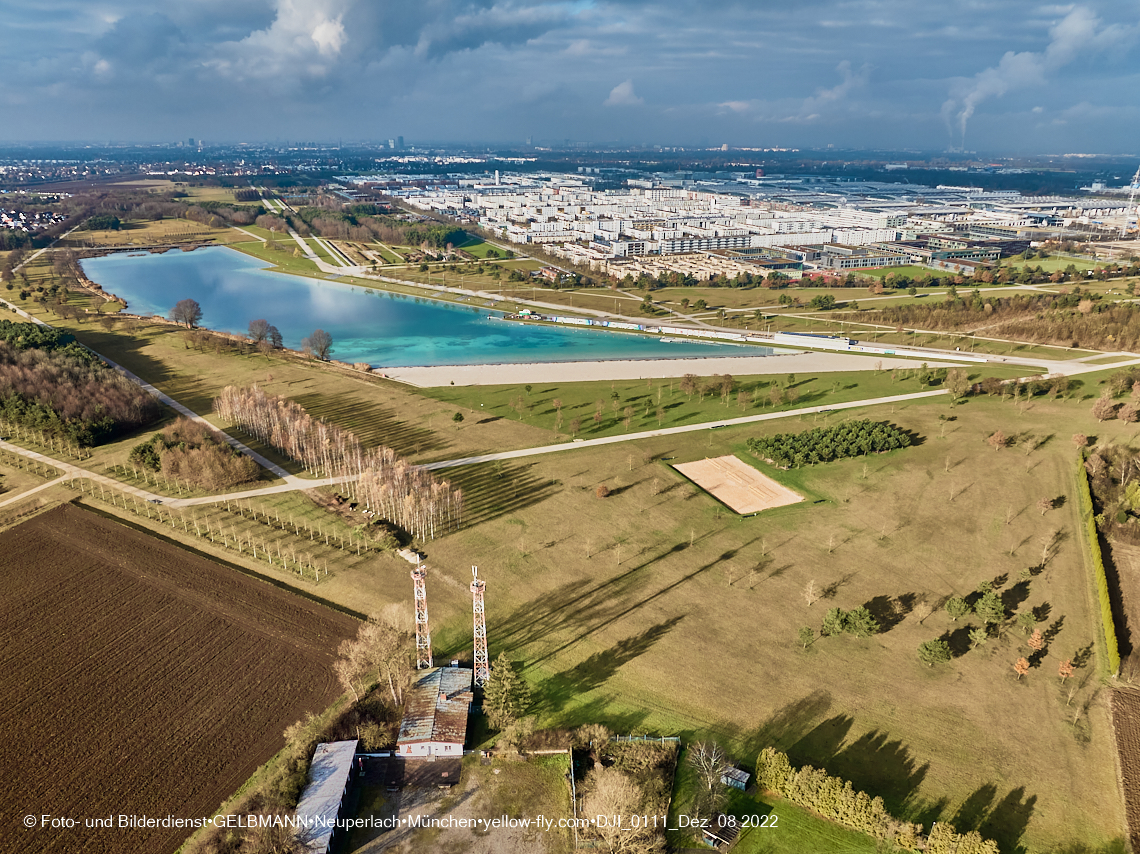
320 804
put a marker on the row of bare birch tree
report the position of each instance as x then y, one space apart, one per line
392 488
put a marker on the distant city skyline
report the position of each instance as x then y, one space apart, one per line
1017 77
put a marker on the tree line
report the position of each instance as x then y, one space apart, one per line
1076 319
825 444
835 799
406 495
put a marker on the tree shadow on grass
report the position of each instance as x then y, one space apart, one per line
491 490
1014 596
790 724
958 640
1007 821
973 811
584 608
373 423
889 612
596 670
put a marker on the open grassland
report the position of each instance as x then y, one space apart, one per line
207 666
152 233
623 609
580 401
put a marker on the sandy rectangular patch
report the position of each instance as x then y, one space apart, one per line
738 485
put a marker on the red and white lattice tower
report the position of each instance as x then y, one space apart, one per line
423 633
482 662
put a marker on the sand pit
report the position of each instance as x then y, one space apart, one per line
738 485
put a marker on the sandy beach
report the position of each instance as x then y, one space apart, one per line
784 363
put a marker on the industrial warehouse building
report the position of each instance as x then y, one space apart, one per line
435 715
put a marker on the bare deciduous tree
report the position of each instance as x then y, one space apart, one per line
187 312
811 594
319 343
709 761
612 793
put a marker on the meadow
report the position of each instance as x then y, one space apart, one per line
621 608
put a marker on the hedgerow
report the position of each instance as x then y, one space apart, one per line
837 800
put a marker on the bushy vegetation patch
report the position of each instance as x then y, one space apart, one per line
193 453
825 444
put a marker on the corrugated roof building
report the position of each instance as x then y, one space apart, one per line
435 714
320 803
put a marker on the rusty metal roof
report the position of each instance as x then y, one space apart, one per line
437 705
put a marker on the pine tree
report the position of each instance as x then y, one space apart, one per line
505 696
934 652
957 607
990 608
834 622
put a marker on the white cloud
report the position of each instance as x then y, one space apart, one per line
304 33
623 95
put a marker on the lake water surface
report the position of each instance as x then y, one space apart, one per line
366 325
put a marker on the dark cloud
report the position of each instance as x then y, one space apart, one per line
848 72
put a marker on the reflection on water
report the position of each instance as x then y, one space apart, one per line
381 328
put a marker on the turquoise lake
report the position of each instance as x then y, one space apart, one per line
366 325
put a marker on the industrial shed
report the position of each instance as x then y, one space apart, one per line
435 715
319 807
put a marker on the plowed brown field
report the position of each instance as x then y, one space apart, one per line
140 679
1126 723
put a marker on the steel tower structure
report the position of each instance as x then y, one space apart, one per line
423 633
1131 209
482 661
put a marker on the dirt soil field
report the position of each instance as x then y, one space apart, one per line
140 679
735 483
1126 723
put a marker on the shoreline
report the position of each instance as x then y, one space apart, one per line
638 369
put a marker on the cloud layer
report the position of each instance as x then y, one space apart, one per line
852 73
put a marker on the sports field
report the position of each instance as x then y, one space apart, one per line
737 484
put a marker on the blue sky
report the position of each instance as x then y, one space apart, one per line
1008 76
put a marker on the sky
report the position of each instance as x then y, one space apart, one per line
1011 77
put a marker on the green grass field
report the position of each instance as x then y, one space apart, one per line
795 830
645 397
621 608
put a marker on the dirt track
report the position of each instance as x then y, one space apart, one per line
141 679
